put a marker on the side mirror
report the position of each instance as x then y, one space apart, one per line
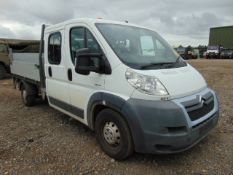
86 62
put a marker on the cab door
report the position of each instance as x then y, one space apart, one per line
81 87
56 70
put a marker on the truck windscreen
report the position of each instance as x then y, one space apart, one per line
212 48
137 46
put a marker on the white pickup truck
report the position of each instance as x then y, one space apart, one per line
121 80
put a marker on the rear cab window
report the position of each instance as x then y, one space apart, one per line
54 48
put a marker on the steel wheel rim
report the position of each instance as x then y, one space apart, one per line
111 133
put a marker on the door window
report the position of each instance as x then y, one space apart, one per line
77 40
80 38
54 48
92 43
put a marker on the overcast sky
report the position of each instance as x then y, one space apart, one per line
185 22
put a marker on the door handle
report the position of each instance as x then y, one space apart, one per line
50 71
69 74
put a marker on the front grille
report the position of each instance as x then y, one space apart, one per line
200 106
198 113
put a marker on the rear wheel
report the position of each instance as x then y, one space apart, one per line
2 72
113 134
28 95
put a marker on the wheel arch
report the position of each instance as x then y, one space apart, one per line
100 101
31 88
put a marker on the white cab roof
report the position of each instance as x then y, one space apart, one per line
89 21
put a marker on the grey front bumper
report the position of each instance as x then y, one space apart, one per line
165 126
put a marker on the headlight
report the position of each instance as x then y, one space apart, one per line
146 84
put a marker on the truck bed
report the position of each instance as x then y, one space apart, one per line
25 65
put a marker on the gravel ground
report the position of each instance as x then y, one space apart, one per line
41 140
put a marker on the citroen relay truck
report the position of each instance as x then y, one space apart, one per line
123 81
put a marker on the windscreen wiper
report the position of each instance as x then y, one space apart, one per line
145 66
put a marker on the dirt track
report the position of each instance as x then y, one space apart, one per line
40 140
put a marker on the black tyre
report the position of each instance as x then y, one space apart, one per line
28 95
113 134
2 72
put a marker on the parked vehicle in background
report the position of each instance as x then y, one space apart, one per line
202 51
123 81
226 54
213 52
181 51
18 46
191 55
220 38
187 52
196 53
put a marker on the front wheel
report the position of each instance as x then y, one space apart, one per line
113 134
